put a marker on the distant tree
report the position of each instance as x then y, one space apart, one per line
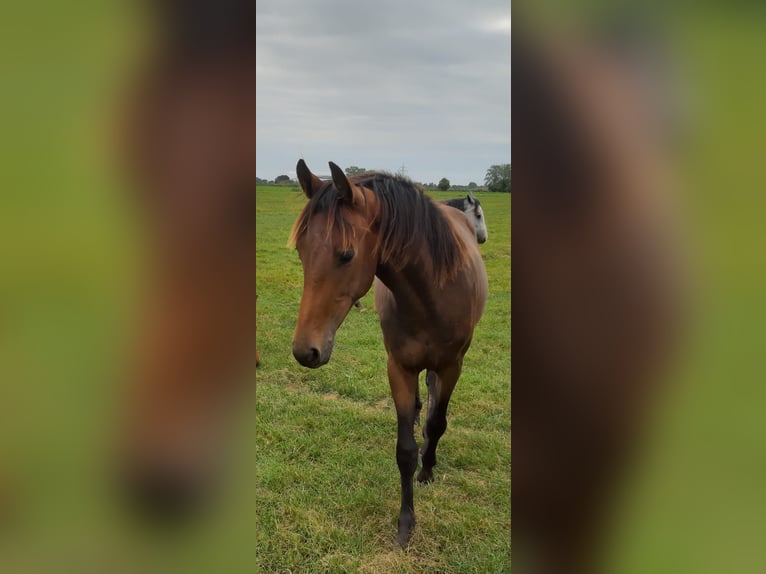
354 170
259 181
282 179
443 184
498 178
472 185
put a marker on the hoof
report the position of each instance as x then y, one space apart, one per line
406 526
425 476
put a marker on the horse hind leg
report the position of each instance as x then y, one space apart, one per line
439 392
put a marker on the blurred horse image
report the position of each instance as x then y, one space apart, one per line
597 292
190 151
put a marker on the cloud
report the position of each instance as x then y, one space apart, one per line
423 83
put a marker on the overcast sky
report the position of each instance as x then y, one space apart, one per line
420 83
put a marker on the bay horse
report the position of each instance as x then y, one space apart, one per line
430 291
189 151
598 288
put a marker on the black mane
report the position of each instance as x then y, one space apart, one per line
458 203
408 220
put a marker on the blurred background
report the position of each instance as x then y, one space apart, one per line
697 504
70 276
694 499
66 275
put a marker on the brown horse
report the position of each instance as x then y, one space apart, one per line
430 290
596 294
190 152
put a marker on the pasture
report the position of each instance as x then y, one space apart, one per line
326 480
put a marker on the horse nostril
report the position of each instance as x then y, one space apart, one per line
308 357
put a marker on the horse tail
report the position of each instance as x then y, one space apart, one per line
430 380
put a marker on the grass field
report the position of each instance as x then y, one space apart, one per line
327 482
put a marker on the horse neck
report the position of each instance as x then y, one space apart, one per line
412 284
411 287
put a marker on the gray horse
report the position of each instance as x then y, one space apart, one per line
472 208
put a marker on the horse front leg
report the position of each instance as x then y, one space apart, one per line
404 385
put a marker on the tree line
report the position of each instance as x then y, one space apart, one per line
496 180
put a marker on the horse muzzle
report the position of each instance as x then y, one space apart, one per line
311 356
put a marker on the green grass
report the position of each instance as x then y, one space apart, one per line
326 478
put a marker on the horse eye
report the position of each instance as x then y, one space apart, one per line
346 256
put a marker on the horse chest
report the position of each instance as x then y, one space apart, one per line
419 345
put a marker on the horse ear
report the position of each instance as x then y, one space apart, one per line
471 198
309 182
343 185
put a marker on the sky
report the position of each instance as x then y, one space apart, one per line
419 84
